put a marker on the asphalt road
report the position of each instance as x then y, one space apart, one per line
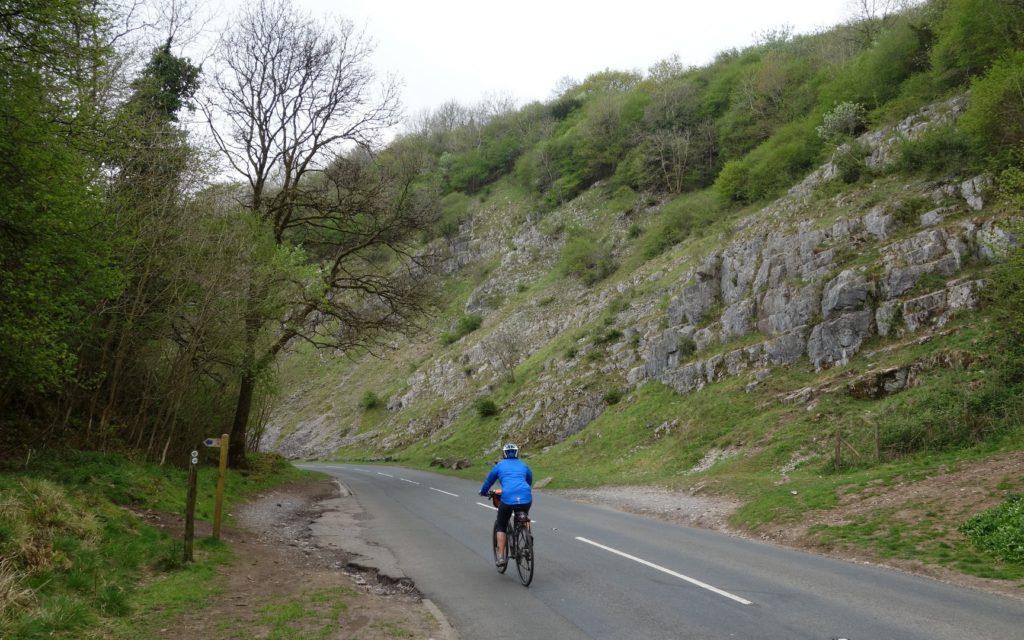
601 573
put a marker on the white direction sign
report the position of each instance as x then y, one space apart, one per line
211 442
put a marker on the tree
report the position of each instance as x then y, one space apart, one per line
53 268
293 112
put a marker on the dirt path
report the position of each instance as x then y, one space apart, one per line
288 582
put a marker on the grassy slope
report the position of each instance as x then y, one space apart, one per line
96 570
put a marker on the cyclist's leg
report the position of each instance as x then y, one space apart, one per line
500 528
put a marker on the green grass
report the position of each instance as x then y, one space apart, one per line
92 565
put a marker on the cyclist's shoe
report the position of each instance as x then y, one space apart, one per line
501 562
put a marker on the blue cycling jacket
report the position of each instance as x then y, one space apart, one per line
515 477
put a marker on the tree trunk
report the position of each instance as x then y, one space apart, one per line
236 450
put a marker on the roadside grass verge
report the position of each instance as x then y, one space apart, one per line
82 564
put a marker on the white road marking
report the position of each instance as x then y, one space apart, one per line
409 481
385 474
702 585
454 495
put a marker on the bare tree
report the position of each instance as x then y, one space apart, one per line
504 349
869 17
295 109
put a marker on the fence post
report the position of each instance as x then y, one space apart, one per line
837 460
222 471
190 505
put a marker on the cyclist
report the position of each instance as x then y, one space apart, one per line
516 479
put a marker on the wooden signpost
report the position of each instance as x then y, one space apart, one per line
190 500
190 504
222 470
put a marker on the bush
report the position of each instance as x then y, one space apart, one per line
938 151
485 407
1006 297
845 120
464 326
686 347
370 400
585 258
995 117
1000 530
679 219
973 33
613 397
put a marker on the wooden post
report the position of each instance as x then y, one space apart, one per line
190 507
838 459
222 471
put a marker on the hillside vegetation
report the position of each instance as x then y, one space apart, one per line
790 276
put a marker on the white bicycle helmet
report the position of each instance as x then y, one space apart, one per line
510 451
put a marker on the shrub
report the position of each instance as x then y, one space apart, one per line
370 400
995 117
875 76
909 210
686 347
464 326
731 184
586 259
973 33
1006 297
680 217
846 119
939 151
613 397
849 162
608 337
1000 530
485 407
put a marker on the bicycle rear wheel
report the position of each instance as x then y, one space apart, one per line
494 550
524 555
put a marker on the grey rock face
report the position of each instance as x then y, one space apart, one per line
787 348
932 218
993 242
847 292
693 303
834 341
793 256
936 309
879 223
972 191
739 266
886 318
784 308
738 319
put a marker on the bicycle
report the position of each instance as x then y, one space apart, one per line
519 542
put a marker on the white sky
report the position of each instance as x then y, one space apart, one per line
464 50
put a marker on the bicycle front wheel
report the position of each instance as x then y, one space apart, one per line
524 556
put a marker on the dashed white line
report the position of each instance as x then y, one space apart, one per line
488 506
385 475
409 481
454 495
702 585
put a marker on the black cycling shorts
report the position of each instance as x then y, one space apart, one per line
505 512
